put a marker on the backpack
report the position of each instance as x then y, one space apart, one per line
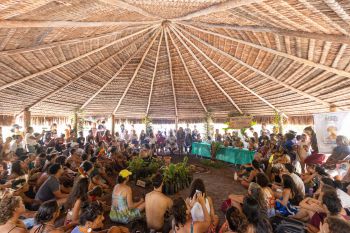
286 225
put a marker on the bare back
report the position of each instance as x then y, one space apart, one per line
156 206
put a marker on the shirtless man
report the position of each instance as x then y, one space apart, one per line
157 204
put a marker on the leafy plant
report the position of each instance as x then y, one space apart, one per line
215 146
135 164
208 125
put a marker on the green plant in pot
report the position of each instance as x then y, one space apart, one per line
215 146
135 166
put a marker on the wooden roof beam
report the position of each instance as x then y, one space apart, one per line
171 73
339 10
154 73
279 53
135 73
26 78
188 73
217 8
208 73
225 72
70 24
304 94
129 7
114 76
65 42
81 75
279 31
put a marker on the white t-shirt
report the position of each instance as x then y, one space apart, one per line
28 140
14 146
298 182
197 211
344 198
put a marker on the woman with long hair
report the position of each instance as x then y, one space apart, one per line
76 199
182 217
17 170
257 222
197 213
287 203
45 218
11 207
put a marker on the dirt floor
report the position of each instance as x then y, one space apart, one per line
219 183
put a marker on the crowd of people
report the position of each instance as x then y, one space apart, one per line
74 183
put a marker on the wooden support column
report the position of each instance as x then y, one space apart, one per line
75 124
333 108
176 122
113 125
280 122
26 119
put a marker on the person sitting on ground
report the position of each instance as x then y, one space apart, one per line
196 209
254 191
334 225
182 218
157 205
76 199
340 152
235 221
257 221
11 207
263 182
289 199
51 187
256 169
45 218
90 219
123 209
290 170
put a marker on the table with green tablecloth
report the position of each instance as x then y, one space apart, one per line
227 154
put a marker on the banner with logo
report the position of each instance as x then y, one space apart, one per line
328 126
240 122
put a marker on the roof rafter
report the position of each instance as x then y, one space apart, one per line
136 71
65 42
279 31
279 53
154 73
61 24
71 60
80 75
217 8
129 7
339 10
188 73
114 76
227 73
304 94
208 73
12 12
171 73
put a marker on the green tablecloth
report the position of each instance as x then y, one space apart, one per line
227 154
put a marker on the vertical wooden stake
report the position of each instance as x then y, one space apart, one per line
176 122
113 125
280 123
26 119
75 124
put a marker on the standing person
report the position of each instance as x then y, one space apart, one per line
31 141
143 137
180 137
11 208
17 145
157 205
188 143
171 142
160 142
313 139
134 138
218 136
152 140
304 150
81 139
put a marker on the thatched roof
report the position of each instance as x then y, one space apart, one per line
174 57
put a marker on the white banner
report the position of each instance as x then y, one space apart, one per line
328 126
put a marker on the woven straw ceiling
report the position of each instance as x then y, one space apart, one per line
174 57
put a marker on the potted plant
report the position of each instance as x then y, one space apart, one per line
215 146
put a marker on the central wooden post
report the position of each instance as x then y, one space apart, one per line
280 122
113 125
176 122
26 119
75 124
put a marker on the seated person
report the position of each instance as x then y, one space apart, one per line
235 221
340 152
197 214
256 169
335 225
183 222
45 218
11 207
257 220
123 208
51 187
90 219
157 205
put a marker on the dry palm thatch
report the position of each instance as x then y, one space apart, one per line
174 58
